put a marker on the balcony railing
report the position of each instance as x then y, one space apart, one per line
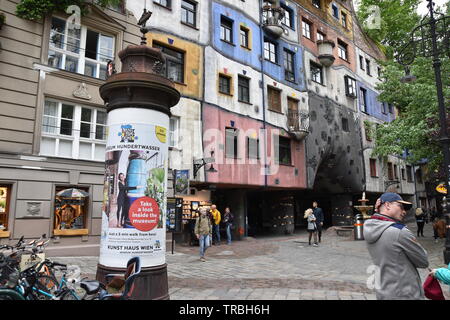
272 17
298 124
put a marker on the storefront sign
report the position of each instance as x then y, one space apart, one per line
181 182
134 222
174 214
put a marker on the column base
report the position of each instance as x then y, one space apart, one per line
152 283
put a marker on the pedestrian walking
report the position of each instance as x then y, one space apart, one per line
394 251
312 226
228 219
203 231
420 220
318 213
216 223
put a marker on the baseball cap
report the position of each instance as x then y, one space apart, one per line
394 197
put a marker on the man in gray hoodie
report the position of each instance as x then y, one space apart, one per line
395 251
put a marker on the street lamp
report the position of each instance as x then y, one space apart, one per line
422 37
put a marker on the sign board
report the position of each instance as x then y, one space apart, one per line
28 260
441 188
174 214
206 160
181 184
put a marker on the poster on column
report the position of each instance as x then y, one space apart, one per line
134 195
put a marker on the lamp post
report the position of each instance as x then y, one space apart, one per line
434 29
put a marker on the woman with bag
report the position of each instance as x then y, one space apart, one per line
312 227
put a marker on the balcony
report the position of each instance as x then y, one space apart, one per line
272 17
326 56
298 124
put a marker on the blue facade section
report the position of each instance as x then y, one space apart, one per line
375 108
250 58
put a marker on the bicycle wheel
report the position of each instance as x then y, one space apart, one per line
47 284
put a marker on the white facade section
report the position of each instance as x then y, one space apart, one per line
362 58
169 19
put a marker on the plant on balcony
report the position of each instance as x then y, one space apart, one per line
35 10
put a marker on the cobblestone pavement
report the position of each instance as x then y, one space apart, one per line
275 268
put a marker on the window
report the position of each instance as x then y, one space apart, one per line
188 12
70 213
368 129
79 50
361 62
306 29
344 19
316 3
384 110
316 72
253 148
224 84
73 131
173 131
321 36
274 98
174 66
287 18
335 11
231 143
164 3
409 173
342 50
293 115
345 125
368 67
289 57
363 101
379 72
244 37
390 171
243 89
226 29
270 51
403 174
5 195
395 171
373 168
284 150
350 86
391 108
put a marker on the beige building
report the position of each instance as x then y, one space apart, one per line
53 122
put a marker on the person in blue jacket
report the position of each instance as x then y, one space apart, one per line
318 213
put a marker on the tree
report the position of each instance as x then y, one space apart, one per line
415 132
35 10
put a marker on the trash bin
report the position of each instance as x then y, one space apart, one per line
358 227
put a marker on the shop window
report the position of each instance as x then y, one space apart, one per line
71 210
81 50
73 131
274 97
174 66
5 194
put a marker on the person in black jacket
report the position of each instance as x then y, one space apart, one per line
318 213
420 220
122 201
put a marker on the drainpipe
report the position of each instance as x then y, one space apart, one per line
263 87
